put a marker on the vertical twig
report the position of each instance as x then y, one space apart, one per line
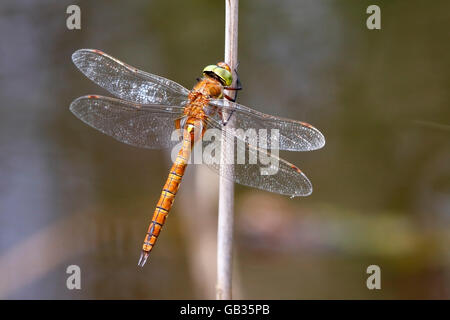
226 187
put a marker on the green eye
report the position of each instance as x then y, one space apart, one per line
209 68
223 74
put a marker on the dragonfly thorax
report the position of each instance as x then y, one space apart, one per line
199 96
194 108
209 87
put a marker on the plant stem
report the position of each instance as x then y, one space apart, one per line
226 186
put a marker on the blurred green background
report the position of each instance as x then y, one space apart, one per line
70 195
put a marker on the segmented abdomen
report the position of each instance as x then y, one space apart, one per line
170 188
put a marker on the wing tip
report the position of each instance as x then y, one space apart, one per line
309 191
306 188
81 52
321 140
74 103
78 52
302 194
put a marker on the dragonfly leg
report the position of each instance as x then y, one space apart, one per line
229 98
230 88
228 119
225 121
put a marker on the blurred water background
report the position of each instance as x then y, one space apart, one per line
70 195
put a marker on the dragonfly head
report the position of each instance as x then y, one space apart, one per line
221 72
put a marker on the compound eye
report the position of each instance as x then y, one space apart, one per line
209 68
224 75
220 72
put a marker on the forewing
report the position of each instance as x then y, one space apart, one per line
293 135
146 126
127 82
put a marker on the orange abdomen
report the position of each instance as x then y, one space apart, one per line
169 191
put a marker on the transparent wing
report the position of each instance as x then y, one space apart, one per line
146 126
127 82
293 135
252 166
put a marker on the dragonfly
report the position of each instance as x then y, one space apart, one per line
147 108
